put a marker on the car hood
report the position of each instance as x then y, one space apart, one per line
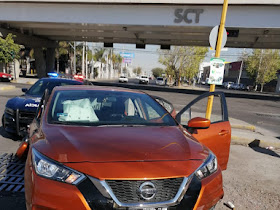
110 144
24 103
110 152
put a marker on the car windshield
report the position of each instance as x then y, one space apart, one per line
123 76
160 78
106 108
39 87
144 77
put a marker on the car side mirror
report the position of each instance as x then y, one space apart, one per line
199 123
24 90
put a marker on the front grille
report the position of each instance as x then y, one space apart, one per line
128 191
26 117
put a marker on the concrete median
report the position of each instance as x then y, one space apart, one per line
7 87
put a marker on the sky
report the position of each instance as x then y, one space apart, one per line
147 58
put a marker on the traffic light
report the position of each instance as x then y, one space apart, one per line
107 44
232 33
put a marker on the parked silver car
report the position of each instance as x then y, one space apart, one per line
228 85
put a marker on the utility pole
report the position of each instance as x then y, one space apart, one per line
241 68
75 70
74 60
92 65
217 55
258 74
86 62
83 60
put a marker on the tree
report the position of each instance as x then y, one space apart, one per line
157 72
9 50
99 56
137 70
117 60
262 66
183 61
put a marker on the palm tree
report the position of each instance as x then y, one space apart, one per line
99 56
118 61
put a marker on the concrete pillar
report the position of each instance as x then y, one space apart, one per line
40 62
17 69
50 60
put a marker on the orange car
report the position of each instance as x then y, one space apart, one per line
112 148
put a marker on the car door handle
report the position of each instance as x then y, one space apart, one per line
223 132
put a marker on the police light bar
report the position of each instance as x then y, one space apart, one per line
51 74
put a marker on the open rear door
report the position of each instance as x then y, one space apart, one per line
218 136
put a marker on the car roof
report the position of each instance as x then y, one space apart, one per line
98 88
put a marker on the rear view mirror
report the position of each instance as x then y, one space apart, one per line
199 123
166 104
24 90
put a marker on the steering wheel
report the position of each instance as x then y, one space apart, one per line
159 119
117 117
132 119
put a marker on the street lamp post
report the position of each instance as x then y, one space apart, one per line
217 55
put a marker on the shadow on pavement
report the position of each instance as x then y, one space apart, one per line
9 136
11 201
255 146
11 182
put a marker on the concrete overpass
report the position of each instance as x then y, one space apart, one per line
162 22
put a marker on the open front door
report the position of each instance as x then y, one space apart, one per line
217 137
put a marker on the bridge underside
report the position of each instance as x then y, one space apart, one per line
135 34
162 24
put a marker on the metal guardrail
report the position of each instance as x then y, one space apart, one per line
11 173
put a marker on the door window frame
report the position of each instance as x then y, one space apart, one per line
207 94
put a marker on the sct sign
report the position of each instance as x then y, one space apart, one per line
217 68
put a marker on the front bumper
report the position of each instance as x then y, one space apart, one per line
6 79
17 123
44 193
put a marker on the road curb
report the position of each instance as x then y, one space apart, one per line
28 82
244 127
10 87
254 142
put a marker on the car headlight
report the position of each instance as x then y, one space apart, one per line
50 169
4 76
208 167
9 111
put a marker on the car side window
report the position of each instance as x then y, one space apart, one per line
199 110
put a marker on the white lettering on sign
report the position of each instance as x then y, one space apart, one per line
187 15
31 105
